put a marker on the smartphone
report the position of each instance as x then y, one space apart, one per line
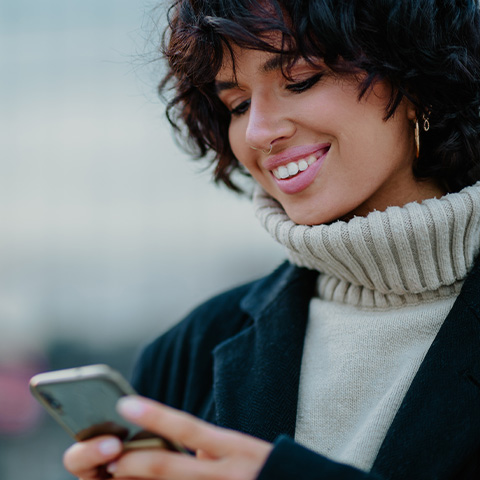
83 400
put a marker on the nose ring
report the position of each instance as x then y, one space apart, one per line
263 151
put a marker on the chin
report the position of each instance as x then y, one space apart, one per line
311 218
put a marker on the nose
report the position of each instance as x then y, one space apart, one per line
268 123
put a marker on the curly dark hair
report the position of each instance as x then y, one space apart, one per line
428 51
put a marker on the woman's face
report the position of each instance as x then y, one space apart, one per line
332 156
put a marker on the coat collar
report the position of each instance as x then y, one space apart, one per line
440 413
256 372
437 427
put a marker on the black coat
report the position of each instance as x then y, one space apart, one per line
235 361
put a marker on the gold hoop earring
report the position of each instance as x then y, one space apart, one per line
426 128
263 151
426 123
417 139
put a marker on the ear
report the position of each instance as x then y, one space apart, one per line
411 111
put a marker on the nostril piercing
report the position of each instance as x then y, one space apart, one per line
263 151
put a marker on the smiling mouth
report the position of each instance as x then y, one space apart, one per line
292 169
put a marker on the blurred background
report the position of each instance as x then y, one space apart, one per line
109 234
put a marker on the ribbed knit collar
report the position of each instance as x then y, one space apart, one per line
404 255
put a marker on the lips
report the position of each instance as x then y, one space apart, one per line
296 168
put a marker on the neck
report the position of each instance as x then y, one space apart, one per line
398 195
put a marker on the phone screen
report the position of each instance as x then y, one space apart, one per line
83 401
86 407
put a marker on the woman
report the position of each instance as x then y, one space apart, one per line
360 123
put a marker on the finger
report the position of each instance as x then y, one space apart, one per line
161 464
203 455
177 426
84 458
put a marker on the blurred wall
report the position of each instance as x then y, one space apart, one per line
107 229
108 233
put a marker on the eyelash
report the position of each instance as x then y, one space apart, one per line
240 109
305 85
292 87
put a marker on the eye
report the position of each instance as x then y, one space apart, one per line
304 85
241 108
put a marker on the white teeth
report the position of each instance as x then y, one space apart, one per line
302 165
283 172
293 168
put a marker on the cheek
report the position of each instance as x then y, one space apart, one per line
233 139
236 137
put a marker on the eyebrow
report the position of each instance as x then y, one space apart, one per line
276 62
221 86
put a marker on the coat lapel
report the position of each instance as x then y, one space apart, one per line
437 427
256 373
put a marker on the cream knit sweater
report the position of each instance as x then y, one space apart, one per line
387 283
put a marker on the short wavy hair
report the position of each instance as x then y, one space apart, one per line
427 50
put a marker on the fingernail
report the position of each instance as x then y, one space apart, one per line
131 407
110 446
112 467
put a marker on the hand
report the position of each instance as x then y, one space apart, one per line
88 459
220 453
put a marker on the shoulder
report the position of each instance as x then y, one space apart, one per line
228 312
186 349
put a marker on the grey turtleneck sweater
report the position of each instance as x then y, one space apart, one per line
387 281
